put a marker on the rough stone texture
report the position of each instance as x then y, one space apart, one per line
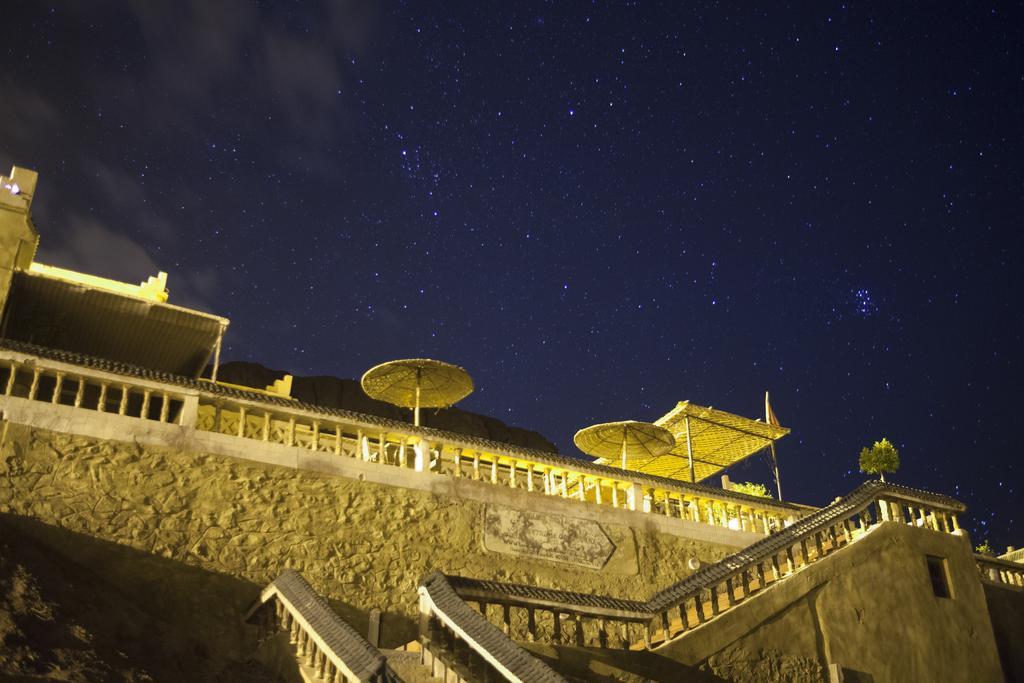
869 608
362 545
1006 607
65 616
346 394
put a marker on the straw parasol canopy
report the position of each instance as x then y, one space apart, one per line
417 382
627 439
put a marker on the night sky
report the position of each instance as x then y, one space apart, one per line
598 210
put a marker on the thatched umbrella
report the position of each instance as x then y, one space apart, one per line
625 439
418 382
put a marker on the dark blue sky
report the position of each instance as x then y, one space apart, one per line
598 210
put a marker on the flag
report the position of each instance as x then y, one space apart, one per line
769 414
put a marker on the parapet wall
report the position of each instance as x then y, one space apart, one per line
363 544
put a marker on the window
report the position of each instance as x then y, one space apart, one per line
939 576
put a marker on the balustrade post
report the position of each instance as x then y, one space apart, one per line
730 598
57 386
790 561
776 570
476 466
667 511
34 387
512 474
684 617
556 629
494 469
80 392
290 437
144 411
634 496
529 477
597 490
715 607
698 607
421 449
531 625
241 421
101 404
403 457
506 619
956 524
314 444
337 439
11 379
615 495
381 440
583 487
458 462
165 407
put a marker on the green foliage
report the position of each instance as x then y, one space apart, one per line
985 549
880 458
752 489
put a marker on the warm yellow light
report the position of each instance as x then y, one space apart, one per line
153 289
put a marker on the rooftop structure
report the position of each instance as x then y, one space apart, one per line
65 309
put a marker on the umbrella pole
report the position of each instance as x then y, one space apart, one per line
416 410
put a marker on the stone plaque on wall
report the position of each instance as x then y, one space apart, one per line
580 542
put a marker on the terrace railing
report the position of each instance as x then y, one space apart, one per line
1000 572
528 613
323 641
87 383
80 388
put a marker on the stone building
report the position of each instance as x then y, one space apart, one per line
269 537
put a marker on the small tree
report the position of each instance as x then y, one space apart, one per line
880 458
752 489
985 549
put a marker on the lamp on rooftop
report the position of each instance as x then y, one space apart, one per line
625 440
417 383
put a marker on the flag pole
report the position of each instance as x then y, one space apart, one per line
775 464
769 418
